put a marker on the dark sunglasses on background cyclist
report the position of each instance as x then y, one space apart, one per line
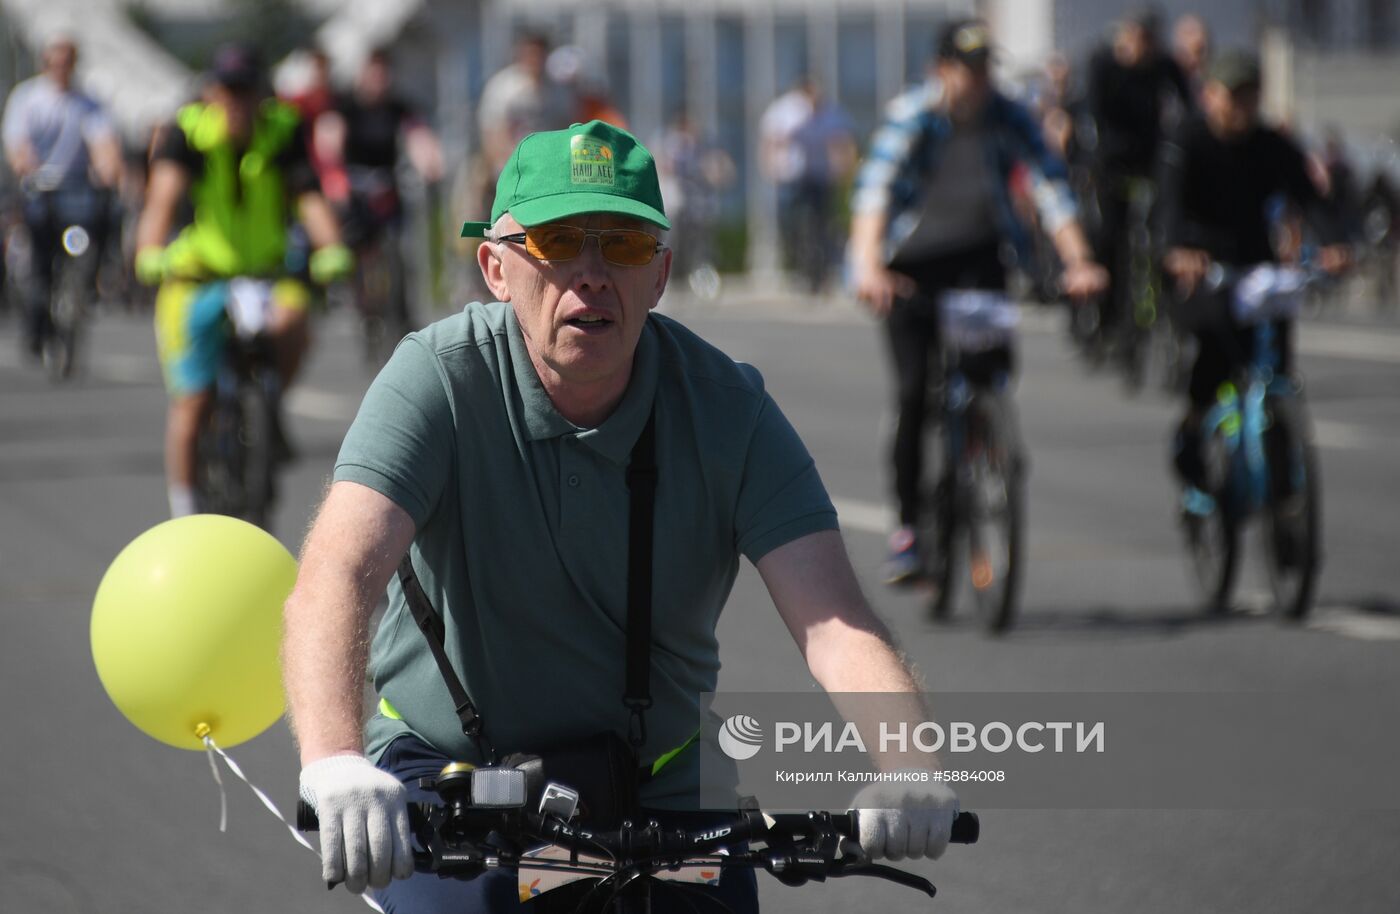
624 247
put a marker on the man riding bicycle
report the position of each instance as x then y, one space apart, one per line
499 449
933 213
1133 85
240 159
66 154
360 138
1220 175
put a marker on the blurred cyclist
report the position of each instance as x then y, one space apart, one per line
365 130
240 159
65 152
361 138
932 212
1219 174
1132 85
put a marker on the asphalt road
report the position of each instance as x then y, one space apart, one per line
99 818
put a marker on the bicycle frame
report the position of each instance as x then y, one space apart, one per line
1241 420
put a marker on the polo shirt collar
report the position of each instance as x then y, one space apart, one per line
619 432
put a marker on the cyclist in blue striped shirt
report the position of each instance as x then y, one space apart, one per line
933 212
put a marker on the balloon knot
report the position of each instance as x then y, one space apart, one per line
203 730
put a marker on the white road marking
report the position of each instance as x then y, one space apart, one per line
1340 435
1348 343
124 367
865 516
1350 622
311 403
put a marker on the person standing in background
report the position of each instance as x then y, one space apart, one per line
1191 49
694 171
519 100
807 148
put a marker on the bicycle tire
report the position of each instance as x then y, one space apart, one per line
996 496
256 443
1292 524
65 321
1213 539
939 539
383 300
218 460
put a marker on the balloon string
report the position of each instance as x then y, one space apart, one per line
212 748
223 794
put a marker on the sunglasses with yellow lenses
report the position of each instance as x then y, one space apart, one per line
624 247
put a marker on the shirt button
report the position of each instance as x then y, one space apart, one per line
573 480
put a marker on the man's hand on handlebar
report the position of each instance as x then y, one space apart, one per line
1084 280
905 820
363 814
878 287
1188 266
1334 259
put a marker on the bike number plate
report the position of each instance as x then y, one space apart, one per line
250 306
976 320
1268 292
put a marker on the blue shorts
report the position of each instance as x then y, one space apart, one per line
409 758
192 328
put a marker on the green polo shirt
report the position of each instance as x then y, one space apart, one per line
522 533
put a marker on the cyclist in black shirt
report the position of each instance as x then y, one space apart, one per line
359 141
361 136
1218 175
1133 88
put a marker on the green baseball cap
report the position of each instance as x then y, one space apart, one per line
588 168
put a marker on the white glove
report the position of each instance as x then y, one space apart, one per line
905 820
364 821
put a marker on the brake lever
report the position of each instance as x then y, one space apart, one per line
909 880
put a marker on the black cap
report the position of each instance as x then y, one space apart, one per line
237 66
1146 17
1236 70
966 40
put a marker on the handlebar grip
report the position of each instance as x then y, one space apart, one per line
967 828
306 817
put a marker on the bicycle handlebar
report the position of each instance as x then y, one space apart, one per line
966 829
798 847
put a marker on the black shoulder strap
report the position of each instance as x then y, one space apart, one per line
641 484
430 624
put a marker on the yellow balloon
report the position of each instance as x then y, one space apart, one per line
186 630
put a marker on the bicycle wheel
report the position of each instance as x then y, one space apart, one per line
1292 526
1086 331
1212 534
65 322
234 469
255 431
219 456
939 536
996 510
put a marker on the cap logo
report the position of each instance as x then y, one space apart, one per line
590 161
970 40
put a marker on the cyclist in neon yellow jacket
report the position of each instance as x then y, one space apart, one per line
240 160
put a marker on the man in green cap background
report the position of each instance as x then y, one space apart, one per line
494 449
